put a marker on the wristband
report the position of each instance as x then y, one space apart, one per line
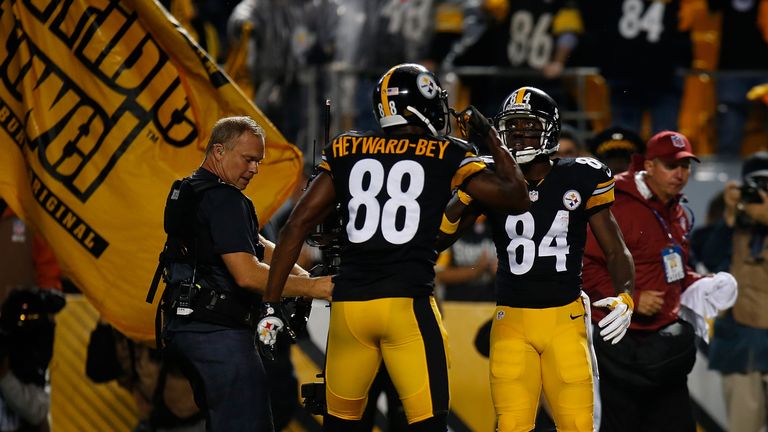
464 197
627 298
447 226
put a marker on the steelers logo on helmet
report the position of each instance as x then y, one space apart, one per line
427 85
572 199
536 136
409 94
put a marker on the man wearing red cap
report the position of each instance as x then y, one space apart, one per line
643 379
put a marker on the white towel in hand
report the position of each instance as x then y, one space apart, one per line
705 298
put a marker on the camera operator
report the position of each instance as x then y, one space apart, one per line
739 348
26 347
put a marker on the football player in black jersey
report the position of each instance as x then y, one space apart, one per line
392 187
540 334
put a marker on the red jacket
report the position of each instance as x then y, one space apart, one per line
645 238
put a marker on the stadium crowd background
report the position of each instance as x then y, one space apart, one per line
644 66
678 64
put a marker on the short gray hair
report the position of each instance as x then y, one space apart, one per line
228 129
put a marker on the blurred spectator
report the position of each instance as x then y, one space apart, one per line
448 28
571 145
639 45
536 37
739 348
285 36
467 269
29 274
206 22
743 64
372 36
643 379
759 93
27 328
700 235
615 147
25 258
163 395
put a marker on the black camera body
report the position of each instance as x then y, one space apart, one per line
27 332
327 237
750 193
297 309
313 395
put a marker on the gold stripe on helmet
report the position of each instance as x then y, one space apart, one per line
520 94
384 88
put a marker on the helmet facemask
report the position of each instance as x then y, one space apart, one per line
439 125
541 132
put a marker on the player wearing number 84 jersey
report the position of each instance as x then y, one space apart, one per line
539 336
392 188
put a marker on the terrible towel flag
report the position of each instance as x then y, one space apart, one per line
102 105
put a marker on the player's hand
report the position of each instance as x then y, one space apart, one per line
759 211
472 120
553 70
614 326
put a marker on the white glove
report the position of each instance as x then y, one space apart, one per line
615 324
269 325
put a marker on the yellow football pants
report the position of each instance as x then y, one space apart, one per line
531 348
408 335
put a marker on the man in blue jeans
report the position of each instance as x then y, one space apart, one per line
215 267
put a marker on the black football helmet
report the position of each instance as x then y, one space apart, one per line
531 103
410 94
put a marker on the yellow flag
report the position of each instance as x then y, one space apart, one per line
102 105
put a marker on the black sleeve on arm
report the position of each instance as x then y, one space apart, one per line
232 227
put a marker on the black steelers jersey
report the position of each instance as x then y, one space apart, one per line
393 30
636 37
742 44
526 38
392 191
540 251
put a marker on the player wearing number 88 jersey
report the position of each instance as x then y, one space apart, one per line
539 336
392 188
